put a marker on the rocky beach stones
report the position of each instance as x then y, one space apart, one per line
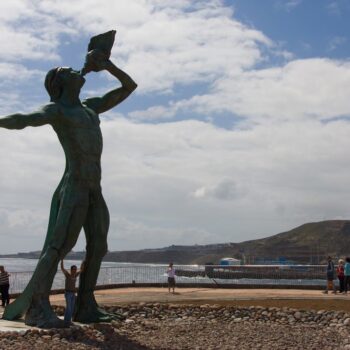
173 326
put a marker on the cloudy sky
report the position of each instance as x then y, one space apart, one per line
239 127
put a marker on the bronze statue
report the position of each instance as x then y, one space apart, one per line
77 202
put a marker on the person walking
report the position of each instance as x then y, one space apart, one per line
171 277
340 275
4 286
347 275
70 290
330 276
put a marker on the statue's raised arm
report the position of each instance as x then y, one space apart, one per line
45 115
96 61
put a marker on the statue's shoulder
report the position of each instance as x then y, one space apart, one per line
51 109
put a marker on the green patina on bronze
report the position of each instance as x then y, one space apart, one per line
77 202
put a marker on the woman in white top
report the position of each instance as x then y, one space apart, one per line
171 277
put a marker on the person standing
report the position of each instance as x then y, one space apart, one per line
347 275
4 286
70 290
330 276
171 277
340 275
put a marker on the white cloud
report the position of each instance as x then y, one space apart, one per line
335 42
333 8
17 73
338 8
188 181
247 183
181 182
301 89
159 42
128 235
226 189
153 113
288 5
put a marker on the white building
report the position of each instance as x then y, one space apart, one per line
230 261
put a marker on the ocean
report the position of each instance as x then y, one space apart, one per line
28 265
21 271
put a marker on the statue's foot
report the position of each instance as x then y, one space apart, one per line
40 314
95 315
46 323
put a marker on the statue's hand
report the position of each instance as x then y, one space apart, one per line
95 60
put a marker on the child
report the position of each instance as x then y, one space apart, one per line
69 290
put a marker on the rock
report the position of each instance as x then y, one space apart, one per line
297 315
128 320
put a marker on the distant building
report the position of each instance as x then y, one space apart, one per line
230 261
279 261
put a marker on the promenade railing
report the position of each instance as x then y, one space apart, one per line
252 276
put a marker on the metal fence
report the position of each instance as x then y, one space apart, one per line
246 276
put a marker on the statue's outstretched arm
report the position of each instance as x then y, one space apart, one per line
45 115
114 97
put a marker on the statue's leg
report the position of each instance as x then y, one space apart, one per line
21 304
40 312
70 219
96 229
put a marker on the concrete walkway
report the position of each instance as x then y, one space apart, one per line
10 326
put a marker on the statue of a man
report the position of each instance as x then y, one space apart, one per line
77 202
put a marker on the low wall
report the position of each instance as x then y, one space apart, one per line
193 285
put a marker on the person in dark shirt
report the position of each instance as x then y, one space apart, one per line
171 277
70 289
330 273
4 286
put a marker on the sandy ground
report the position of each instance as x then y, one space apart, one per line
304 299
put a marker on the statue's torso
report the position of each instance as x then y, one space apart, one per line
78 129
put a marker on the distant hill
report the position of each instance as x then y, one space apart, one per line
309 243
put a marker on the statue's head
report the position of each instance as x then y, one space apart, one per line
57 79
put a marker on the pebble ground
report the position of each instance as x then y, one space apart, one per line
207 327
